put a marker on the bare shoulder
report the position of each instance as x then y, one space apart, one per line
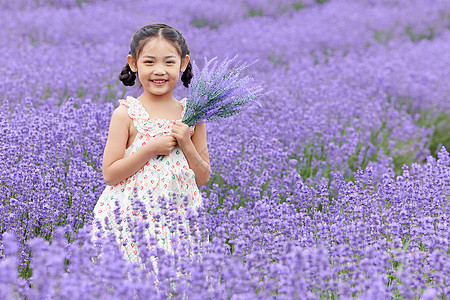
120 115
200 130
121 111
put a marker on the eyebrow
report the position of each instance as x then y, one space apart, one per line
167 56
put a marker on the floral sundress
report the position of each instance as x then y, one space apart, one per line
161 176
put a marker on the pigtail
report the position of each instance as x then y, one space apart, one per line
127 76
187 75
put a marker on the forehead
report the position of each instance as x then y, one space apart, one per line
159 47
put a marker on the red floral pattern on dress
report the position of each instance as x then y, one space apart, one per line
165 176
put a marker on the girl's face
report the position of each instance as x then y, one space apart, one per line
158 67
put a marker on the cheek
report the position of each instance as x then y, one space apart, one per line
175 76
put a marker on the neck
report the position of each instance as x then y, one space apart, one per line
147 97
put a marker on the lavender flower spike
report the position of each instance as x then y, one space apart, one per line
218 91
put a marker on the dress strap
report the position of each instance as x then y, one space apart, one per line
183 103
134 108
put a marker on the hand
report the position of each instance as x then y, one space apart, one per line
181 132
163 145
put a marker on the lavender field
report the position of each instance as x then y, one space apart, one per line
338 187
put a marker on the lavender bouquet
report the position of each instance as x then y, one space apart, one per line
218 91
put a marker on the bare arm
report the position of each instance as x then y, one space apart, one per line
196 153
115 167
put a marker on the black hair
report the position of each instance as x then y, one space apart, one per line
142 36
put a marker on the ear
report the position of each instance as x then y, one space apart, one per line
132 62
184 63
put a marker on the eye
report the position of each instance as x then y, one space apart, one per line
148 62
170 62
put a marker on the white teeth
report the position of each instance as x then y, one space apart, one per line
159 81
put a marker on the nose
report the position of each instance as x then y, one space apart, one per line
159 70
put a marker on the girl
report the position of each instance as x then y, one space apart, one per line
143 128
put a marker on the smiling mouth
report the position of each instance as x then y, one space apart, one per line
158 81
